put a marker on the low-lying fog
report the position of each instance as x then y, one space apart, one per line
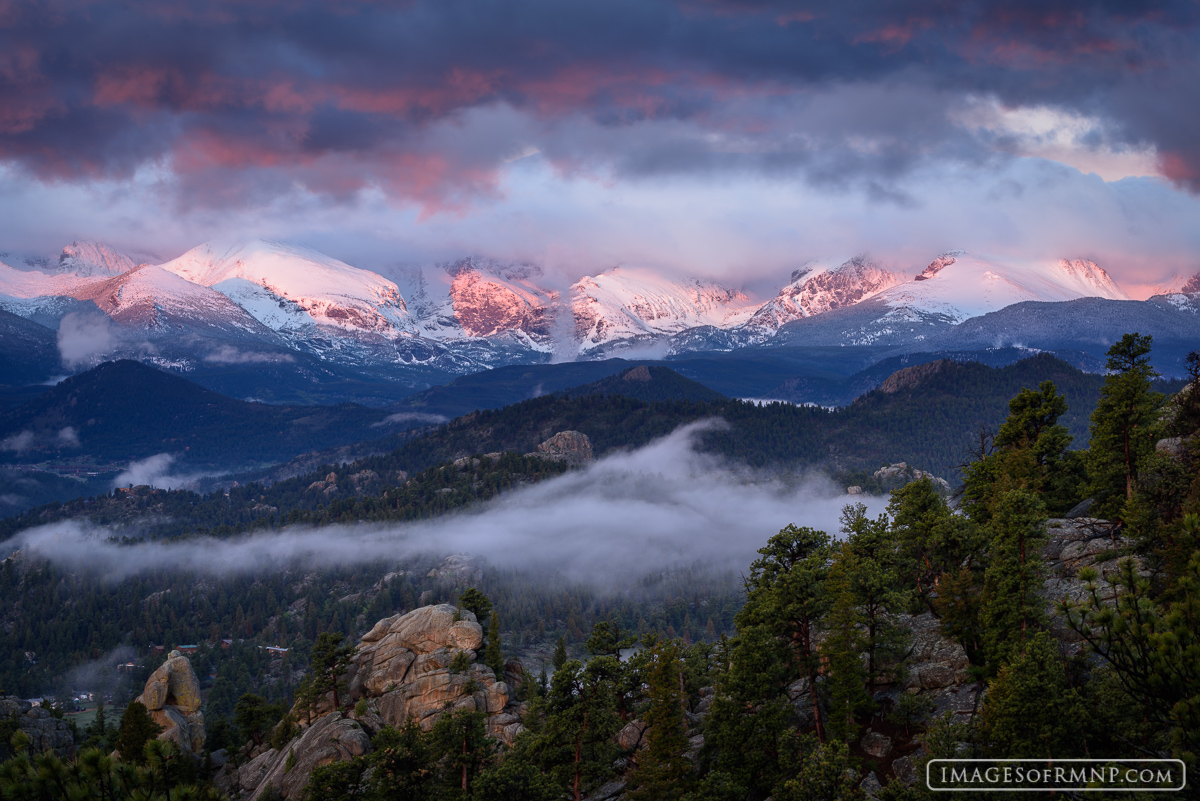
629 514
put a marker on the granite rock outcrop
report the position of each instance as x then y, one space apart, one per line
415 667
45 732
172 696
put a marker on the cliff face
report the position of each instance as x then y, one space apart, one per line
403 671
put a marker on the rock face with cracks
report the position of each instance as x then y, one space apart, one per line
402 669
172 696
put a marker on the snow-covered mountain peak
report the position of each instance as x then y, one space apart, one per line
818 288
1088 278
633 302
962 285
1180 283
94 259
508 270
285 286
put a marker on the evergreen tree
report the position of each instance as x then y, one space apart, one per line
137 728
403 764
1152 647
752 712
606 644
663 770
1122 429
820 772
579 727
1030 710
560 653
868 565
1029 452
786 593
461 745
330 659
476 602
846 679
493 656
941 556
1012 605
254 717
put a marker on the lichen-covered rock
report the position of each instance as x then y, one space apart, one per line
871 786
172 696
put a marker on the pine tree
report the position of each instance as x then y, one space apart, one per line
580 724
842 650
1122 428
493 656
330 659
461 744
137 728
868 566
560 653
1029 452
475 602
940 555
786 594
663 770
254 716
1012 604
1030 710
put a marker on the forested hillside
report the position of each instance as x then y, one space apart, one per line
930 416
988 629
126 410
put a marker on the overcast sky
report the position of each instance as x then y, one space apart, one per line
725 138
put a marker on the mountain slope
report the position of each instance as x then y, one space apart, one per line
960 286
288 287
94 259
815 290
632 304
1086 324
28 351
127 410
649 383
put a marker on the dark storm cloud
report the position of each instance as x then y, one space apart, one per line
238 99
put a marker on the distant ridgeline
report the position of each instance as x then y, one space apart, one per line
929 416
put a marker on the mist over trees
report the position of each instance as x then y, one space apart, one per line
770 688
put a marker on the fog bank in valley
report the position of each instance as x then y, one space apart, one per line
657 508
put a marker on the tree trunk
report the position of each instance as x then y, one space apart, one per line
803 638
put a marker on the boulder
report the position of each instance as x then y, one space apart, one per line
45 732
172 696
572 447
330 739
632 736
876 744
907 769
871 786
394 647
402 668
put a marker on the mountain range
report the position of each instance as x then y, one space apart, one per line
284 323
